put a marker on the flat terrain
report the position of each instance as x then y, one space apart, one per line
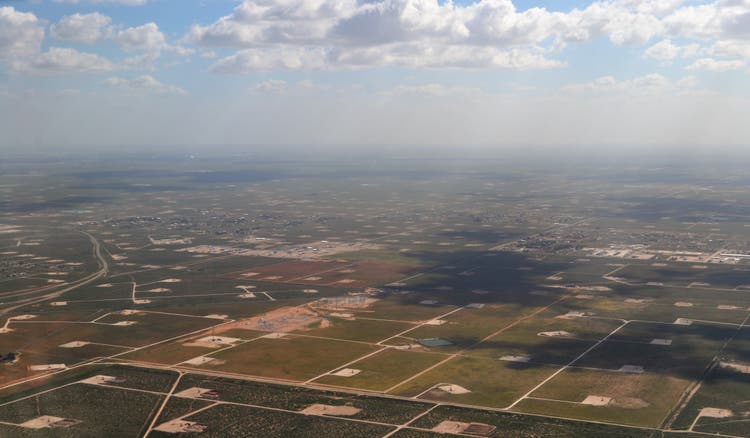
478 298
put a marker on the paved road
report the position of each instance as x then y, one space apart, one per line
103 270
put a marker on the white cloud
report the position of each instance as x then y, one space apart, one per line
731 48
83 28
62 60
271 85
714 65
285 58
666 50
21 33
414 55
413 33
721 19
146 37
146 83
434 34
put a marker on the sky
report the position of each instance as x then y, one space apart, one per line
113 74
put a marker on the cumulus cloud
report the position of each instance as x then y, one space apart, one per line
146 84
285 58
665 50
21 33
717 66
414 55
62 60
146 37
319 34
82 28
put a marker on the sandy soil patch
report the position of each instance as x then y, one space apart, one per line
727 307
321 409
47 367
556 334
346 372
284 319
102 380
124 323
22 317
45 421
409 347
203 360
715 413
658 341
196 392
631 369
74 344
274 336
213 342
435 322
739 367
452 427
574 314
453 389
594 288
180 426
342 315
596 400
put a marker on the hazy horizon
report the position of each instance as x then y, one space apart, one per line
490 73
